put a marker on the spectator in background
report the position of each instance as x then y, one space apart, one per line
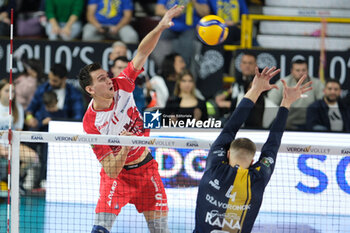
297 114
30 18
120 63
119 49
70 101
27 82
28 156
50 110
5 14
261 115
185 105
110 19
63 19
17 109
230 11
172 66
159 88
69 98
181 36
239 87
329 113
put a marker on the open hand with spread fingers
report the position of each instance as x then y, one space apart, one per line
292 94
261 81
166 21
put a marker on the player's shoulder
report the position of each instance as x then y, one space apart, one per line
89 119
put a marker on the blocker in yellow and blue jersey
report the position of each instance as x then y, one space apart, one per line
231 190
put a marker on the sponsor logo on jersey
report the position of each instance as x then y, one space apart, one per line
156 187
230 220
267 161
161 204
102 126
111 193
215 184
158 196
220 152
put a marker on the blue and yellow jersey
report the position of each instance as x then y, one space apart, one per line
110 12
229 10
229 198
189 17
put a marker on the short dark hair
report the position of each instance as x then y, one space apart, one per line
250 54
59 70
121 58
329 80
84 76
243 143
298 61
49 98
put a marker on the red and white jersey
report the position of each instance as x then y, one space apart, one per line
121 115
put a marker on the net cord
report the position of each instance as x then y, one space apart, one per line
96 139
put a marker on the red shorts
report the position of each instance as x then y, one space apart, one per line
140 186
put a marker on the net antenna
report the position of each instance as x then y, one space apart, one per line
323 50
10 129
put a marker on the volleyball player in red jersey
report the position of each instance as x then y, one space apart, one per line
128 174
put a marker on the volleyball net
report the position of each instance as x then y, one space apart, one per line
308 192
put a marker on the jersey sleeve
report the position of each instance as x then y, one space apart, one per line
101 151
126 79
267 159
220 146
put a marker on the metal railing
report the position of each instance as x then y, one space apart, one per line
248 22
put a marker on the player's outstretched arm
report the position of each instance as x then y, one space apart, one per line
261 83
270 148
151 39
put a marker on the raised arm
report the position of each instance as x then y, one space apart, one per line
261 83
269 151
150 41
